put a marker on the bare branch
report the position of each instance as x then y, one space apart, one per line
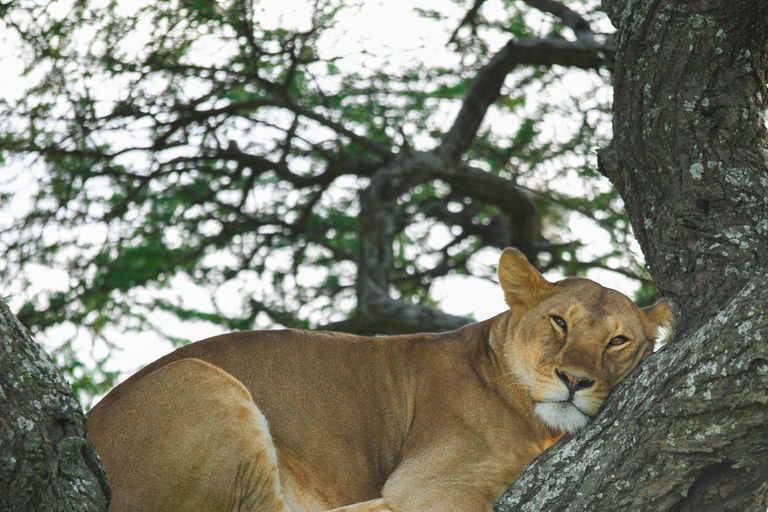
569 17
357 166
486 187
580 26
489 80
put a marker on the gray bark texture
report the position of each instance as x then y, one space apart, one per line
688 431
46 463
689 148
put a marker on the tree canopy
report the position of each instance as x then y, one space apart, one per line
306 178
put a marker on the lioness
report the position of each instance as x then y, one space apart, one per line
307 421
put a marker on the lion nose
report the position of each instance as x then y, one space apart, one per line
574 382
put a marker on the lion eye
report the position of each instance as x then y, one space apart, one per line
618 340
560 323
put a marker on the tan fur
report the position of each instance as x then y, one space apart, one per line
419 423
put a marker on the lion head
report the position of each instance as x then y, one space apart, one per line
571 342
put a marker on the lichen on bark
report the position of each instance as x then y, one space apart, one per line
689 147
46 462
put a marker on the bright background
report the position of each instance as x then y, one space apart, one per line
378 33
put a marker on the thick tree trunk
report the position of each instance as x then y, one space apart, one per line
689 148
689 430
46 463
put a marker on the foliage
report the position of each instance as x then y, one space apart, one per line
207 140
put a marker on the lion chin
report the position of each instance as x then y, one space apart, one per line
562 416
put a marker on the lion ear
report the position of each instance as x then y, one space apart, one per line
522 283
662 318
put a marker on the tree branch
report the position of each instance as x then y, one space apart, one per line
396 317
361 166
375 309
580 26
374 147
486 187
489 80
469 19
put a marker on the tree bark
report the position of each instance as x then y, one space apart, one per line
689 148
689 430
46 462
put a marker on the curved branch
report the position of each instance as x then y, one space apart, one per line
487 187
361 166
580 26
489 80
378 227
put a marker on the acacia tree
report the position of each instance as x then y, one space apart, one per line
258 162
